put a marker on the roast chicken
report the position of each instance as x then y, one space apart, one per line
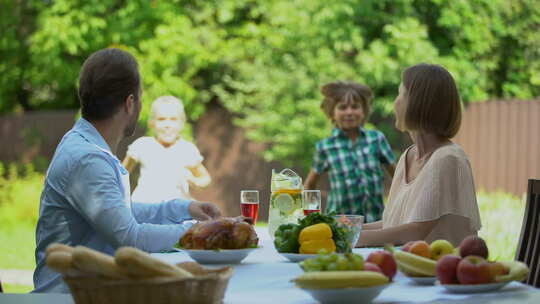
223 233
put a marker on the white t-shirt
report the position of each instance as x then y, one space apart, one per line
164 171
444 189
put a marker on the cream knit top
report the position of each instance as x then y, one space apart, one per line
443 190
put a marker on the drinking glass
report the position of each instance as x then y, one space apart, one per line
249 204
353 226
311 201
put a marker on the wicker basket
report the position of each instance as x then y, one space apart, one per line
207 286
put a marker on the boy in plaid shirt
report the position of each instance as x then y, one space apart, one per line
353 156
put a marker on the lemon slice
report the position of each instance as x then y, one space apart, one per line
284 202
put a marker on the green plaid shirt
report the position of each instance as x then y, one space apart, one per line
356 175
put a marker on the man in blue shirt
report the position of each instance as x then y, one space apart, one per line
86 197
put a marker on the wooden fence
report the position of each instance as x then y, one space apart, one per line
502 140
500 137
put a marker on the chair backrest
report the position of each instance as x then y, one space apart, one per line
528 250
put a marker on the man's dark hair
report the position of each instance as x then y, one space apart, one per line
107 78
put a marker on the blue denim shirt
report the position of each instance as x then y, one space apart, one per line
84 202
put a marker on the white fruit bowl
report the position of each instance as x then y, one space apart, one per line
346 295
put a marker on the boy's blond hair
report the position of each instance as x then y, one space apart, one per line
336 92
168 100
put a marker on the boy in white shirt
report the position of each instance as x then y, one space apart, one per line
169 164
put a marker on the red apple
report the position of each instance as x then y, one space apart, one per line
446 269
474 270
385 261
473 245
372 267
407 246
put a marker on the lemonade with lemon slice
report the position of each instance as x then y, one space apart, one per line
285 201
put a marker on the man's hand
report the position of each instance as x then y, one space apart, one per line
203 211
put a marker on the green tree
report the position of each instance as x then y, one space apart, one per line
17 24
266 60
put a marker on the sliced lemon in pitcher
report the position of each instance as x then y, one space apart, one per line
284 203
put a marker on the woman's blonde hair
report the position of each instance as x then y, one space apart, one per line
168 100
433 100
336 92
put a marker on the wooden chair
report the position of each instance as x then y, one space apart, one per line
528 250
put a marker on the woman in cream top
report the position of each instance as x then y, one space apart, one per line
443 191
432 194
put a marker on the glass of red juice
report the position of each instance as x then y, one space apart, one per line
311 201
249 204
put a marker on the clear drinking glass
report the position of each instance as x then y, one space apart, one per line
311 201
352 224
249 204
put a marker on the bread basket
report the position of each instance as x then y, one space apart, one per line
206 286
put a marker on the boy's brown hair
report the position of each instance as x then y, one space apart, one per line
336 92
433 100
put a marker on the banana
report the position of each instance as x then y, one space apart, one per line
409 271
340 279
517 271
414 265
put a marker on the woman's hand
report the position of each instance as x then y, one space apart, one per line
373 225
397 235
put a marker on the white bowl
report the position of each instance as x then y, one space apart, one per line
423 280
474 288
219 256
346 295
297 257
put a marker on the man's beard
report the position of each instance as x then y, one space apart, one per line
131 126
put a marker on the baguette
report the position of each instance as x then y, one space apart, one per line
140 264
58 247
62 262
95 262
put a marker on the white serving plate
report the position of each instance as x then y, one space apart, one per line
423 280
473 288
219 256
297 257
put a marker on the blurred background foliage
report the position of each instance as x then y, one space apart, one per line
266 60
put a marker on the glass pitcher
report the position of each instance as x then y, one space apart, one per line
285 200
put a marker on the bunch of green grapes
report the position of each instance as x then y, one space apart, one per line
333 262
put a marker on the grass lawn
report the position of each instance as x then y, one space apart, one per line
502 216
9 288
261 224
18 245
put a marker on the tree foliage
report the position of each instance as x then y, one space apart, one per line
266 60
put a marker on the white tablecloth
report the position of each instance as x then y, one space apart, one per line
264 277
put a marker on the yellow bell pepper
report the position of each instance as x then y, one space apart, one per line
316 237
